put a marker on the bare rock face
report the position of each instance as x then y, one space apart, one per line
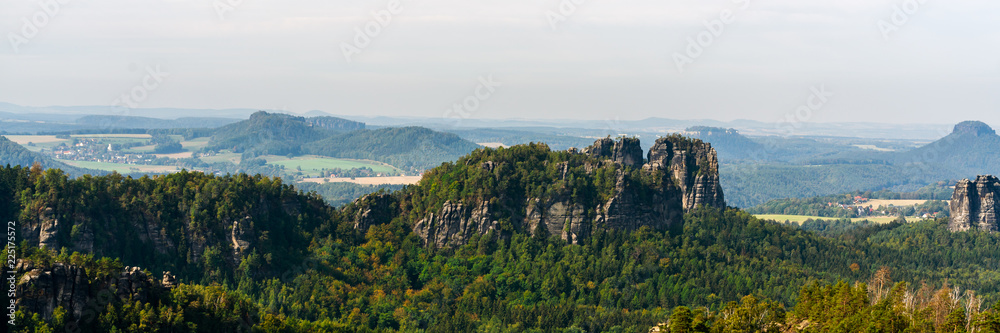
43 289
627 210
455 224
48 229
374 209
693 165
560 218
625 151
974 205
240 235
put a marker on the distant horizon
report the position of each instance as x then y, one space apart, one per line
815 62
306 113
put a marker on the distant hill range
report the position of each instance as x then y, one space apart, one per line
973 148
409 148
110 122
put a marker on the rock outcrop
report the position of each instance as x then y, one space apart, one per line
974 205
455 224
693 166
681 175
561 218
42 289
625 151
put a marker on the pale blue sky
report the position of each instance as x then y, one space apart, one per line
608 59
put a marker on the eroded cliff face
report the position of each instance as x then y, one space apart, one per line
693 166
42 289
146 237
688 178
455 224
974 205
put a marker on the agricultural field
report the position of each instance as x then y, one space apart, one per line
122 168
140 149
223 157
395 180
312 165
193 144
897 203
803 218
185 154
36 143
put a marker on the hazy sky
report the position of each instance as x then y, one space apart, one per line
930 62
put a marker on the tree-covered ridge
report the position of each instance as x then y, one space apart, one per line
508 177
408 148
266 134
202 227
308 267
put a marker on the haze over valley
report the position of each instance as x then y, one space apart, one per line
555 166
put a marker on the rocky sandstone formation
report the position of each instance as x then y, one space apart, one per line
690 178
625 151
974 204
455 224
693 166
43 289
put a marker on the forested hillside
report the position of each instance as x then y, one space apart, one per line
13 154
408 148
413 149
266 134
268 256
970 150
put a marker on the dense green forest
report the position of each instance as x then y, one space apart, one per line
304 267
829 205
266 134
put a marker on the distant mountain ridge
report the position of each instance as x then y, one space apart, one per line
110 122
973 148
268 134
410 148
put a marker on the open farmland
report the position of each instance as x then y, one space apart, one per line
223 157
312 165
802 218
194 144
396 180
121 168
897 203
36 143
